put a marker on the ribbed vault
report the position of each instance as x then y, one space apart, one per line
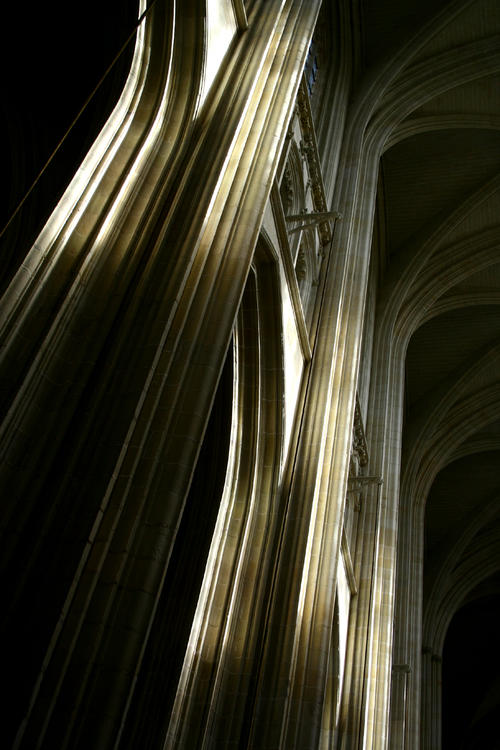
116 326
437 246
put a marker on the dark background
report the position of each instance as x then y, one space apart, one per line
53 57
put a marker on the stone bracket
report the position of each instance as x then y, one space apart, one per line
312 219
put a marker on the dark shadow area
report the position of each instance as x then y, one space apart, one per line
53 59
155 691
471 684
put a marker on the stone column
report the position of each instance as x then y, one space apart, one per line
115 331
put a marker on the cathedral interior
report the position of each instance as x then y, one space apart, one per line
250 375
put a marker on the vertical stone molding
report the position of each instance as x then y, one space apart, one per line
116 328
250 402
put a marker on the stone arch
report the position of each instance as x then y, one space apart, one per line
140 276
240 563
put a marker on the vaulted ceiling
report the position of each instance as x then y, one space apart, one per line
438 225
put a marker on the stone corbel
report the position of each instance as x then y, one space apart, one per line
355 486
362 480
312 219
401 668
